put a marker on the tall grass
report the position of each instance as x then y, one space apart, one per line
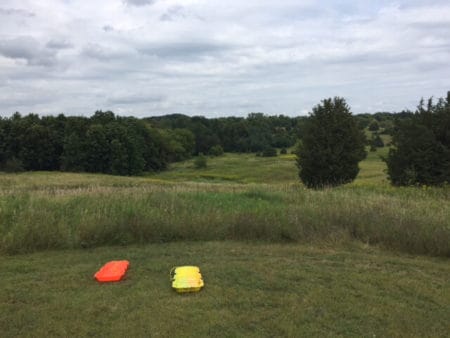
71 216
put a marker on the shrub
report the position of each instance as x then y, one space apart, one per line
421 147
216 150
283 151
374 126
376 141
269 152
200 162
332 146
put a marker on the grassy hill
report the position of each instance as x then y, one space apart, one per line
278 259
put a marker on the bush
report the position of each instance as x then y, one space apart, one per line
421 152
269 152
374 126
283 151
216 150
332 146
376 142
200 162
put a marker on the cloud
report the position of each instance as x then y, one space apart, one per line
27 48
213 57
139 2
131 98
186 51
59 44
102 52
17 12
173 13
108 28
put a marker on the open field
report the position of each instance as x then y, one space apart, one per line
42 211
260 290
278 259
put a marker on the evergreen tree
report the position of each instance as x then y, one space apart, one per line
332 146
421 146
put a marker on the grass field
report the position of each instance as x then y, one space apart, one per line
259 290
278 259
238 197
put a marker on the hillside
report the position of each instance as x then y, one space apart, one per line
278 259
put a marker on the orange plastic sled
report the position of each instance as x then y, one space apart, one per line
112 271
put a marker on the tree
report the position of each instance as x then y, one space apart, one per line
332 145
98 149
119 158
376 142
216 150
37 151
421 146
73 157
374 126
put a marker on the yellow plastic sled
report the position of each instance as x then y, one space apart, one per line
186 279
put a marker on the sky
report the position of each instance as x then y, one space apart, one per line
220 58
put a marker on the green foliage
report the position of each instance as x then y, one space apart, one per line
200 161
283 151
421 147
269 152
376 142
236 134
216 150
374 126
13 165
332 146
73 157
103 143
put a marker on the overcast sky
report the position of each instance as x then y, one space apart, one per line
220 58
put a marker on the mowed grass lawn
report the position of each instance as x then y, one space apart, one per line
251 290
365 259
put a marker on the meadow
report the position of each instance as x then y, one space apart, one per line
237 197
364 259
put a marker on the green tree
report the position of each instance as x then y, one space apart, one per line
73 157
376 141
37 150
421 146
216 150
119 158
332 145
97 150
374 126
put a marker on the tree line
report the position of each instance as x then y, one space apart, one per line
107 143
103 143
255 133
330 142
